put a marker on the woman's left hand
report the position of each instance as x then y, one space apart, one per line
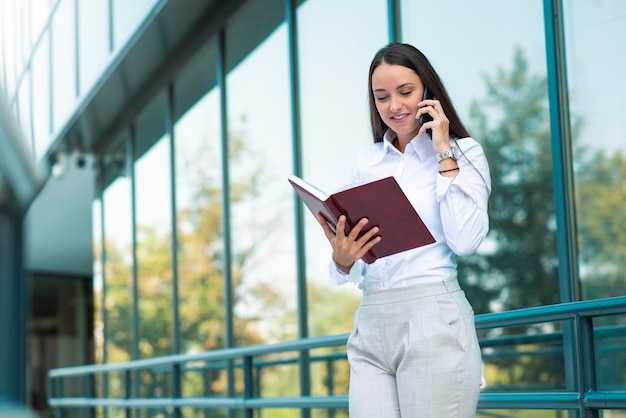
440 125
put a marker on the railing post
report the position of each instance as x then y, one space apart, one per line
59 393
330 383
206 381
176 388
248 382
91 394
127 391
585 362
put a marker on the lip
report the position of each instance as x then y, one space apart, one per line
400 118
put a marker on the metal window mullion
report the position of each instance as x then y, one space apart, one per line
220 68
169 126
394 20
103 311
111 28
134 345
50 80
76 50
304 362
176 370
562 161
562 174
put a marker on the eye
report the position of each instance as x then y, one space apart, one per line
406 93
381 98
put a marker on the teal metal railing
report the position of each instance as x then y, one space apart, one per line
579 394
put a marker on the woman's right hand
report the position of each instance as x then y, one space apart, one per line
349 248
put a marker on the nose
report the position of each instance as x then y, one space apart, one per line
395 103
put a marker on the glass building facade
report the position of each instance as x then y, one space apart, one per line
181 122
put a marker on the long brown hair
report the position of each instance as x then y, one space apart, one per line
410 57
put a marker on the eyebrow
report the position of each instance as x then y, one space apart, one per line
401 86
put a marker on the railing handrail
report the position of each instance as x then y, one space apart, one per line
565 399
523 316
220 354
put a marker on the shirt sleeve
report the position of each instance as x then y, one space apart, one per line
338 277
463 200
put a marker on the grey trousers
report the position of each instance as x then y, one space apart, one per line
414 353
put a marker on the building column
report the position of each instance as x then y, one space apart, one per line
13 309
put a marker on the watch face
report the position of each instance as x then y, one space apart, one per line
449 153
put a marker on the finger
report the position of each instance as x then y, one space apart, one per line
368 246
328 232
356 230
366 237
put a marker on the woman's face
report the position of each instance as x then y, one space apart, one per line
397 91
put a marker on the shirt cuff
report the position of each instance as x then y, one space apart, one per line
338 277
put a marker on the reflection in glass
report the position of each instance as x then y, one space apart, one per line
40 13
261 218
118 267
127 16
98 320
154 250
523 358
520 413
63 63
93 41
9 50
40 70
501 94
334 64
199 221
610 346
594 31
24 108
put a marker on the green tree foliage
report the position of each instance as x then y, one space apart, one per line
201 286
600 197
512 125
518 267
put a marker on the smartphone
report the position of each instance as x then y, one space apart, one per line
426 117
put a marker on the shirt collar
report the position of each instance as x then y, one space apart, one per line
421 145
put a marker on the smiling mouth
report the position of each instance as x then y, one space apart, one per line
400 118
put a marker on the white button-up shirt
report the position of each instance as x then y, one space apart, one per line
453 209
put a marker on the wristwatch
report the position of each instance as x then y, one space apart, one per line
449 153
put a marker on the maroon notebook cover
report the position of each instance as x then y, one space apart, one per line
382 202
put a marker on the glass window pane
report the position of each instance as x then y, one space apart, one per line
527 358
63 63
154 249
40 13
496 75
98 277
127 16
197 77
597 108
610 346
93 41
118 265
520 413
199 221
24 106
26 42
8 30
261 218
334 64
41 100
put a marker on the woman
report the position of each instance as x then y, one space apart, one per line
414 350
